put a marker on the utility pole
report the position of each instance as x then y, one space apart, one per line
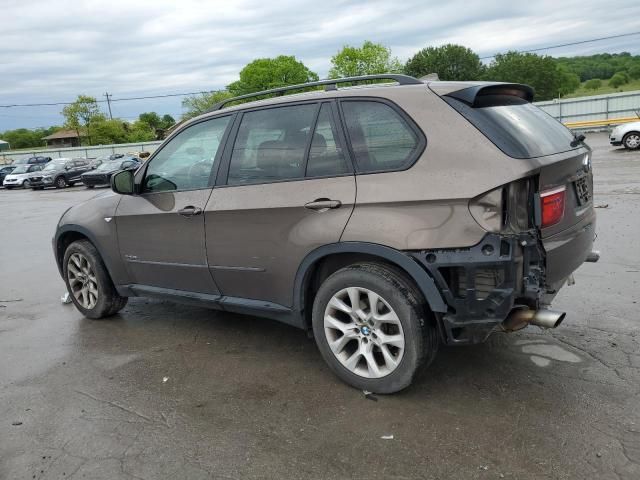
109 104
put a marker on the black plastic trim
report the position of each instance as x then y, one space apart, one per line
422 278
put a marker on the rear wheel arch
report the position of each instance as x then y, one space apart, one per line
326 260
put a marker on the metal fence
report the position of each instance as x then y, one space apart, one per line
597 107
81 152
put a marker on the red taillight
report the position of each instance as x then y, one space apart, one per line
552 205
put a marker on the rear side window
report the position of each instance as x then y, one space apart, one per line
325 156
381 139
271 145
515 126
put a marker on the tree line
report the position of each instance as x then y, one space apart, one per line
550 77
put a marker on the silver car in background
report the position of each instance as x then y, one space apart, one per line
19 177
627 135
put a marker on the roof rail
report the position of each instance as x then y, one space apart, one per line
330 84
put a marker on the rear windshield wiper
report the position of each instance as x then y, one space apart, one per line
577 140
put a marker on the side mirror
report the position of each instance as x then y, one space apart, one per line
122 182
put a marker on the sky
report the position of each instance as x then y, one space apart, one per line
53 50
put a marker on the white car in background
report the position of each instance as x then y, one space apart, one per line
19 177
627 134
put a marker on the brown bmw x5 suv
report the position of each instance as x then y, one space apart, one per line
386 218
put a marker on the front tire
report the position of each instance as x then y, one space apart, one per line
631 141
88 281
372 327
60 182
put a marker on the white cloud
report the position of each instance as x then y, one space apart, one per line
55 49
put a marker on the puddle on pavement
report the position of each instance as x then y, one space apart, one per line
542 353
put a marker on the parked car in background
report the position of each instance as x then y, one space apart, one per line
102 174
473 209
96 162
4 171
627 135
32 160
60 173
19 177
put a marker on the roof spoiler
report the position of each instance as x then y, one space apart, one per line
470 95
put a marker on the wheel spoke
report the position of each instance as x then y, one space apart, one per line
334 323
389 359
394 340
372 365
339 305
354 297
338 345
389 317
353 360
373 303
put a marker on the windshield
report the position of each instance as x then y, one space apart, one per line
53 166
515 126
108 166
21 169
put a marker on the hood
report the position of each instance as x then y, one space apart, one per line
18 176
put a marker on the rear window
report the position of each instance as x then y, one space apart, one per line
515 126
381 139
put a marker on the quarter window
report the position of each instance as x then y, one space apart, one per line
185 163
325 156
271 145
380 138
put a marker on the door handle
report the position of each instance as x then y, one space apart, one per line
323 204
190 211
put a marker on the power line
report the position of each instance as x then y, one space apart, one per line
125 99
570 44
167 95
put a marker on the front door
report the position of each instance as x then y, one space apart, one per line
161 229
290 189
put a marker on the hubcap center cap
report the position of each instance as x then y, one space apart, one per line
365 330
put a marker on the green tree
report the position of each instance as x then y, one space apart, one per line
80 114
540 72
450 62
141 131
593 84
105 131
634 71
26 138
618 80
152 119
198 104
265 73
569 81
369 59
167 121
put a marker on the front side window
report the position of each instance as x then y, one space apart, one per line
380 138
271 145
185 163
325 156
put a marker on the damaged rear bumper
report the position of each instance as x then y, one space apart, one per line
483 284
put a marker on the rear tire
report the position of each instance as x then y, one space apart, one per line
88 281
71 184
378 348
60 182
631 141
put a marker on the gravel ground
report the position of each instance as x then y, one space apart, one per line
173 391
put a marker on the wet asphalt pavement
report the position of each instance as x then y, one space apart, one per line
171 391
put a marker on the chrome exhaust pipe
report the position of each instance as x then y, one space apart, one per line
518 319
547 318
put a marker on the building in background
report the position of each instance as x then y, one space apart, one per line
63 138
4 145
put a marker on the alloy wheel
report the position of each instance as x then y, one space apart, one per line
632 141
364 332
82 281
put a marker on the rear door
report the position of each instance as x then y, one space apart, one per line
161 229
286 188
78 168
